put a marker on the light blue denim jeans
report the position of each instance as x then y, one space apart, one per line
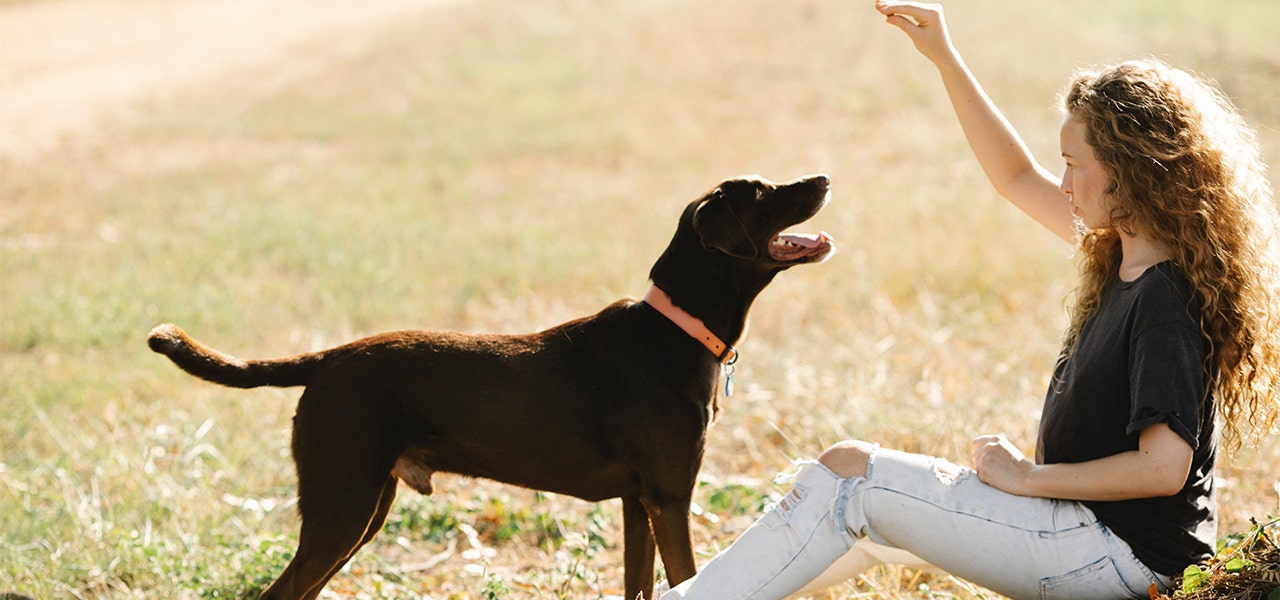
918 510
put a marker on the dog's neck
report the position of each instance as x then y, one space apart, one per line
691 325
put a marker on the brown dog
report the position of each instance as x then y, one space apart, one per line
616 404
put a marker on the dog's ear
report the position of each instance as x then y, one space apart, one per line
720 229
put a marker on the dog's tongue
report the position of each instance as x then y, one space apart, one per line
807 240
790 247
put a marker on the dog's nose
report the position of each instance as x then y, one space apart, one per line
822 181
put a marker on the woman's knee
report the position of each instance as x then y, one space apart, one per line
848 458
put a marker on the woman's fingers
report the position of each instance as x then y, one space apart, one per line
923 23
914 13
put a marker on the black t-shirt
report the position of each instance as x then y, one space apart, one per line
1139 361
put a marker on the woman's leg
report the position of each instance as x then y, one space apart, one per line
862 557
846 460
933 510
794 542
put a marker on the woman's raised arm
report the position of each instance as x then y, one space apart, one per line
1002 154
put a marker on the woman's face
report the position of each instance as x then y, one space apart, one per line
1085 181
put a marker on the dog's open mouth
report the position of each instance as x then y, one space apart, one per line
801 247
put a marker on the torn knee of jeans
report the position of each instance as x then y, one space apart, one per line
840 505
949 473
785 507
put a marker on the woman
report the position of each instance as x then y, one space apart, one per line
1174 328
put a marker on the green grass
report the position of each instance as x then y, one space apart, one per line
504 167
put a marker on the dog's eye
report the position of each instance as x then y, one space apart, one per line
759 194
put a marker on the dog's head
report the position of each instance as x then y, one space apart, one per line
732 241
746 218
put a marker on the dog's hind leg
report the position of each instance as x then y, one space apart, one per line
638 549
375 525
345 489
384 508
329 539
330 536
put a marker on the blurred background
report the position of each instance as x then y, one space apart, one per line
279 176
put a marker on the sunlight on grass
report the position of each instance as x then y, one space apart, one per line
505 167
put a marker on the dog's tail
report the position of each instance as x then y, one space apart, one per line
209 364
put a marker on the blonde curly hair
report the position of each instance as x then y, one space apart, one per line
1185 170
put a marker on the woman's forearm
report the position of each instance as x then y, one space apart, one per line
1159 467
1118 477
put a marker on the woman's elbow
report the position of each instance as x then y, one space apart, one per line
1167 487
1166 481
1165 461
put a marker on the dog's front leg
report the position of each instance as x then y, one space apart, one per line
671 532
638 549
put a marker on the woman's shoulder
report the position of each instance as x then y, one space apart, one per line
1164 275
1164 293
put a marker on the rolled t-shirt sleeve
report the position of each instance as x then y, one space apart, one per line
1166 380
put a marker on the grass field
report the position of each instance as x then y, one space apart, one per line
498 166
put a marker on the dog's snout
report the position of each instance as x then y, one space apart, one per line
821 181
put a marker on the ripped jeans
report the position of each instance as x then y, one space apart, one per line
916 510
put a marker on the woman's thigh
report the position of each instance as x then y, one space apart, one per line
1019 546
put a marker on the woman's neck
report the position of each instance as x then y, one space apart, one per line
1139 253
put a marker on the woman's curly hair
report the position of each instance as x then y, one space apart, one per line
1185 171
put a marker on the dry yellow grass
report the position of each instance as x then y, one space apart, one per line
492 166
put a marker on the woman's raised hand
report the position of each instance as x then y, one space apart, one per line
923 23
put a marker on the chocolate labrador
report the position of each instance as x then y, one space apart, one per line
612 405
